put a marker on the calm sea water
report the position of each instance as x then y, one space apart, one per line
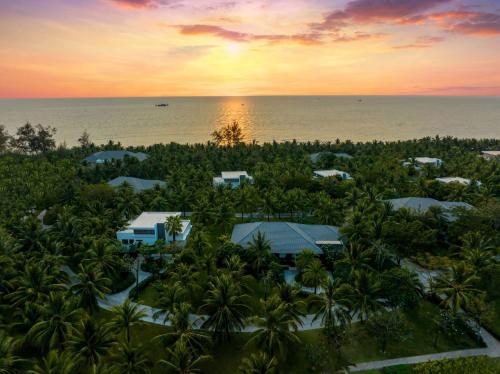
136 121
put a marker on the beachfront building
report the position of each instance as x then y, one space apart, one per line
422 161
460 180
421 205
288 239
316 157
102 157
137 184
490 155
149 227
331 173
232 179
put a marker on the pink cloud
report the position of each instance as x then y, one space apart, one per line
469 22
421 42
236 36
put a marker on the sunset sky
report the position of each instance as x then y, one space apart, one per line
106 48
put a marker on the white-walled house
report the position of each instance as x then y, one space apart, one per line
464 181
331 173
150 227
232 178
421 161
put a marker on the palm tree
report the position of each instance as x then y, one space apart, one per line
54 362
126 316
170 296
477 258
245 199
275 329
268 204
184 331
457 287
258 363
102 254
225 306
91 285
314 274
59 315
364 294
131 360
356 257
260 249
304 258
10 363
174 226
182 361
289 297
90 342
332 305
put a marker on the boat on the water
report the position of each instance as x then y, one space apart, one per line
161 105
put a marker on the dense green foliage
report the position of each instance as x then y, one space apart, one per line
58 265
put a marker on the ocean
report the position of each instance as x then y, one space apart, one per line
138 121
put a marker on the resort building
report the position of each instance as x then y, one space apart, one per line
421 161
287 239
316 157
459 180
331 173
232 179
137 184
108 156
490 155
149 227
422 205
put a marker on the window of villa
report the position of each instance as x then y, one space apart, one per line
144 232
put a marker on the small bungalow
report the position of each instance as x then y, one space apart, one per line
459 180
137 184
331 173
232 179
287 239
421 161
102 157
149 227
490 155
422 205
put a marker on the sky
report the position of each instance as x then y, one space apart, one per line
124 48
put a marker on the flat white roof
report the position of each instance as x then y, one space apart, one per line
148 220
330 173
457 180
427 160
491 153
233 174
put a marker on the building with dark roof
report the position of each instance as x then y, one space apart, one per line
288 239
107 156
422 205
137 184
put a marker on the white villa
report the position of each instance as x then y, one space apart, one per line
460 180
421 161
232 178
331 173
150 227
490 155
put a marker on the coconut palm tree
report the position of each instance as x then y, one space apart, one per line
226 307
289 297
314 275
332 305
91 286
173 225
364 294
182 360
245 199
131 360
54 362
184 331
477 258
91 342
356 258
275 329
258 363
457 287
59 315
260 250
103 254
10 363
126 316
170 295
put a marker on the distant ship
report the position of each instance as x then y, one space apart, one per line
161 105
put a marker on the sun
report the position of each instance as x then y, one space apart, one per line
233 49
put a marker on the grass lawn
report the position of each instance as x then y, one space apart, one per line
360 348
